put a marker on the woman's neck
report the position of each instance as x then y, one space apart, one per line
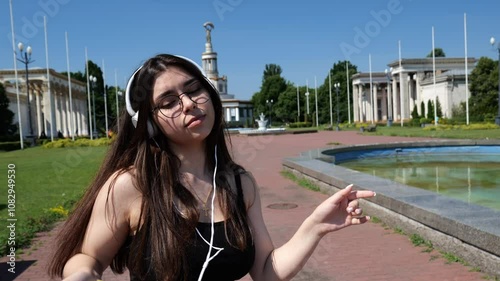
193 160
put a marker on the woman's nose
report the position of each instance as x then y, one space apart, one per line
187 102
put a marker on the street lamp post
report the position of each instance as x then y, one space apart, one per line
492 41
389 100
307 105
118 93
307 100
26 59
93 80
106 111
337 89
270 104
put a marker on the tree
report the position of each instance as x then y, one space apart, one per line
439 111
438 52
338 75
271 70
6 115
273 85
286 106
422 109
483 89
430 110
414 113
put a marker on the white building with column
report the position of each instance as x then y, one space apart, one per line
235 110
392 95
50 113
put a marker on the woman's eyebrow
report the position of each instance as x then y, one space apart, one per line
187 83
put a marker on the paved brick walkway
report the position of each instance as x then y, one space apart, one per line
367 252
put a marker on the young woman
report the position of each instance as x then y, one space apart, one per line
169 203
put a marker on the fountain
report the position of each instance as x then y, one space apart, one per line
262 129
262 122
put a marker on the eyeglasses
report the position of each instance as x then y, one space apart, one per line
171 106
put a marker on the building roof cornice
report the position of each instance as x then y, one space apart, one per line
425 61
41 71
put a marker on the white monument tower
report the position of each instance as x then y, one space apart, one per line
209 64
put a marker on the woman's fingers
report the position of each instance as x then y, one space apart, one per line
357 194
359 220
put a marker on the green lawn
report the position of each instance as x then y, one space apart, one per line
45 178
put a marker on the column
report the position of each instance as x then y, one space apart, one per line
369 100
411 92
228 114
78 130
38 113
355 102
395 104
404 95
389 100
375 102
362 104
237 114
418 78
383 103
64 115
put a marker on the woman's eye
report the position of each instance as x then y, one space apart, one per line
170 102
194 92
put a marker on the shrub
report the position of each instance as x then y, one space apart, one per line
78 143
10 146
300 124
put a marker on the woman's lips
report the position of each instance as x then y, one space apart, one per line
195 121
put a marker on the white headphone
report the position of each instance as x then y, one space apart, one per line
152 131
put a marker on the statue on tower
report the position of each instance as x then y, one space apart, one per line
209 26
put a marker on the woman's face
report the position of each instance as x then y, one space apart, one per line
182 107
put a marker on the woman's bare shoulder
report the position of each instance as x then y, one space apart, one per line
120 189
122 184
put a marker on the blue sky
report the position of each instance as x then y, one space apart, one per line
304 37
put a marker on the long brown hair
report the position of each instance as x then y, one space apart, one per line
165 232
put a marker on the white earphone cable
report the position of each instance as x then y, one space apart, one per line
212 230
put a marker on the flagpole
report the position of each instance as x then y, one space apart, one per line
466 72
400 84
105 99
307 96
316 98
88 95
117 108
371 88
434 71
15 74
298 103
48 78
348 92
330 91
71 117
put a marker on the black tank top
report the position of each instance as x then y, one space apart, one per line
230 264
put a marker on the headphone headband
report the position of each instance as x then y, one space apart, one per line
128 103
